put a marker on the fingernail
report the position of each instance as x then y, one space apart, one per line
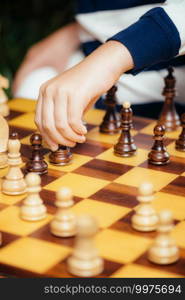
84 129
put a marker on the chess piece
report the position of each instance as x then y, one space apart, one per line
145 219
4 109
84 261
33 208
125 146
180 142
4 134
14 183
37 163
164 250
158 154
169 117
64 223
111 120
61 157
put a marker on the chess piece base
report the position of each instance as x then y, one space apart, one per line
60 157
158 158
65 229
84 268
110 128
33 213
126 151
144 226
11 187
39 168
163 258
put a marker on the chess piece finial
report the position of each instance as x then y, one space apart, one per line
145 218
125 146
14 183
126 104
111 121
180 142
33 208
164 250
4 134
64 223
4 84
169 116
85 261
37 163
158 154
61 157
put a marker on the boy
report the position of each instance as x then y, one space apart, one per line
156 37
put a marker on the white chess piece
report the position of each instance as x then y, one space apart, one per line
145 218
14 183
4 134
85 261
64 222
4 109
33 208
164 250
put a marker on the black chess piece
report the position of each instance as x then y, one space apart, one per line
36 164
180 142
61 157
158 154
169 117
125 146
111 121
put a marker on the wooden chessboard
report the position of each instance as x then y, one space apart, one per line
104 186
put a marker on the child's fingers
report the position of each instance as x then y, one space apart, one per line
48 124
75 113
38 121
61 120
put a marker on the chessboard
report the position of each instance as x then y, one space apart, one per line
104 186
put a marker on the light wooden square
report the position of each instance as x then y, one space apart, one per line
105 213
33 255
22 105
120 246
137 271
25 121
140 156
11 222
82 186
138 175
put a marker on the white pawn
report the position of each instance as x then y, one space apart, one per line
14 183
164 250
145 219
33 208
4 109
4 134
64 222
85 261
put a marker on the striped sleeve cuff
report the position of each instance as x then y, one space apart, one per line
152 39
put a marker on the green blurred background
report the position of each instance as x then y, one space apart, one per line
23 23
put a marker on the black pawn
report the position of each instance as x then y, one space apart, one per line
158 154
111 121
125 146
61 157
180 142
36 164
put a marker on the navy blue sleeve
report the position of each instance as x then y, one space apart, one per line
152 39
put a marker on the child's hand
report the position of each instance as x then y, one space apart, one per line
64 99
53 51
